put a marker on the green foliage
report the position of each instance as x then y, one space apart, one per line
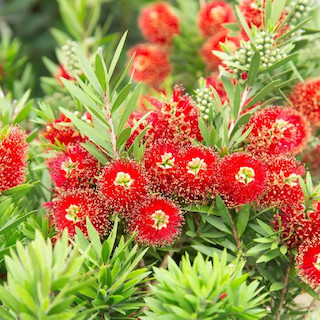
12 111
110 109
205 289
88 279
13 66
114 290
42 280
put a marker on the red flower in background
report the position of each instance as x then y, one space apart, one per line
278 130
252 11
305 97
160 163
63 73
150 65
213 15
158 23
284 188
72 169
213 43
124 184
298 225
62 130
308 262
241 178
195 175
13 157
70 209
157 222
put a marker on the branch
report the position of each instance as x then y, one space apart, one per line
113 139
284 290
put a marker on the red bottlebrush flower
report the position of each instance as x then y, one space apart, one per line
252 12
305 97
278 130
160 162
150 65
312 159
62 130
71 208
123 184
74 168
174 119
158 23
13 157
157 222
283 182
195 175
63 73
298 224
241 178
308 262
213 43
213 15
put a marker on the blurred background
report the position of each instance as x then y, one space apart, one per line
30 23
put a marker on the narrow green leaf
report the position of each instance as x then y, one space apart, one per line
216 223
100 69
130 106
281 62
277 10
235 106
90 147
93 134
276 286
204 131
78 93
123 137
88 71
123 95
94 238
223 211
243 218
268 11
116 56
254 68
261 94
70 19
244 24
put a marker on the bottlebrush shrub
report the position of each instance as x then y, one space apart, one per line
213 168
222 292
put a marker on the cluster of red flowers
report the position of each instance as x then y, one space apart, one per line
211 18
85 190
13 157
159 24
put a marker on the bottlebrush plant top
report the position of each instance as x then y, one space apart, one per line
181 184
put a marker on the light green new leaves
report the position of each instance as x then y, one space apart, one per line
41 279
193 291
115 289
